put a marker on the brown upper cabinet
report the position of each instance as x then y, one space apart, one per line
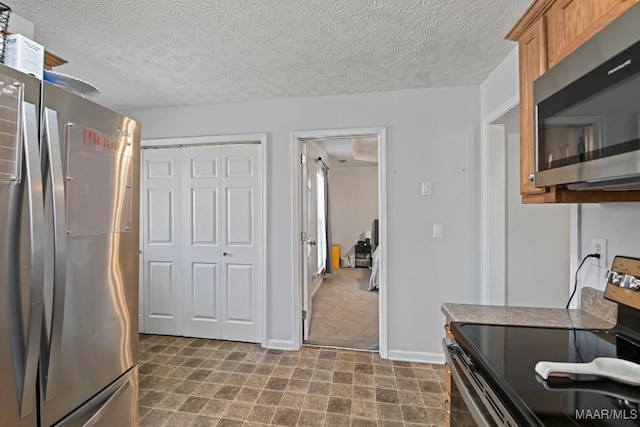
547 32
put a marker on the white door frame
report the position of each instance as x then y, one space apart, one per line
296 150
247 138
304 225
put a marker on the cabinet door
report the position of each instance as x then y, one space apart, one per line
533 62
447 382
575 21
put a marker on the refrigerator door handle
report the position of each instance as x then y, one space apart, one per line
94 411
36 273
105 406
54 158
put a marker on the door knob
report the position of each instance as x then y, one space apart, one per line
313 242
225 254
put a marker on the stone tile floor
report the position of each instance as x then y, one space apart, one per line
196 382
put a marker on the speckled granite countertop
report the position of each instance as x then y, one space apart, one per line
533 316
526 316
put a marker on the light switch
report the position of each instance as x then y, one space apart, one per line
426 188
438 231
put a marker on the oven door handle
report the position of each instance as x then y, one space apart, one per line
452 352
454 348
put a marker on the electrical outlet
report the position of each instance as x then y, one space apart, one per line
426 188
599 246
438 231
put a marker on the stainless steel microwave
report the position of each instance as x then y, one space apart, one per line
587 112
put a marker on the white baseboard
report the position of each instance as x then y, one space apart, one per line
280 345
416 356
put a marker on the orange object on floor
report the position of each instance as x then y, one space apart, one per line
335 256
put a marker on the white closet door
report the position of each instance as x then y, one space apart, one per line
241 239
161 170
202 249
200 242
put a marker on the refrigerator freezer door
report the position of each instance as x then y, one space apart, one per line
98 342
117 405
21 250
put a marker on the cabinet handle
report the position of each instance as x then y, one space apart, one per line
531 176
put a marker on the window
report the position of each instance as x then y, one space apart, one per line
322 223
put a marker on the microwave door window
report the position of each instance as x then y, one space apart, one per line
562 144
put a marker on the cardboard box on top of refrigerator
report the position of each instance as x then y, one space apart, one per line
24 55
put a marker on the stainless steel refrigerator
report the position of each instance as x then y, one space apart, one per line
69 254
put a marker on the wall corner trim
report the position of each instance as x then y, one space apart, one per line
416 356
281 345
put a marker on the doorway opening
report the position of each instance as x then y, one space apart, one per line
339 202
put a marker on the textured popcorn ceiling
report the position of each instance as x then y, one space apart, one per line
144 53
351 152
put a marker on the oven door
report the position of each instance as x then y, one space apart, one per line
473 403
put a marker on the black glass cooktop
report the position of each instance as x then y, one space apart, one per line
506 357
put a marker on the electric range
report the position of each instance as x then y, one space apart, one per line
497 364
506 356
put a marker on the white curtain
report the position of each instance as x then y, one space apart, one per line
322 222
327 221
324 218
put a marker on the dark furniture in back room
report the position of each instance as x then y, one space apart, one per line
363 253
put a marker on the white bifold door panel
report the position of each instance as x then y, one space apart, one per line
241 238
202 241
161 223
200 204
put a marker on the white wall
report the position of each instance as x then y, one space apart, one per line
616 222
19 25
353 193
537 252
529 260
432 135
501 86
493 249
499 93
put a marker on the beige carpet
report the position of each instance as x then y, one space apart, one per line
344 312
